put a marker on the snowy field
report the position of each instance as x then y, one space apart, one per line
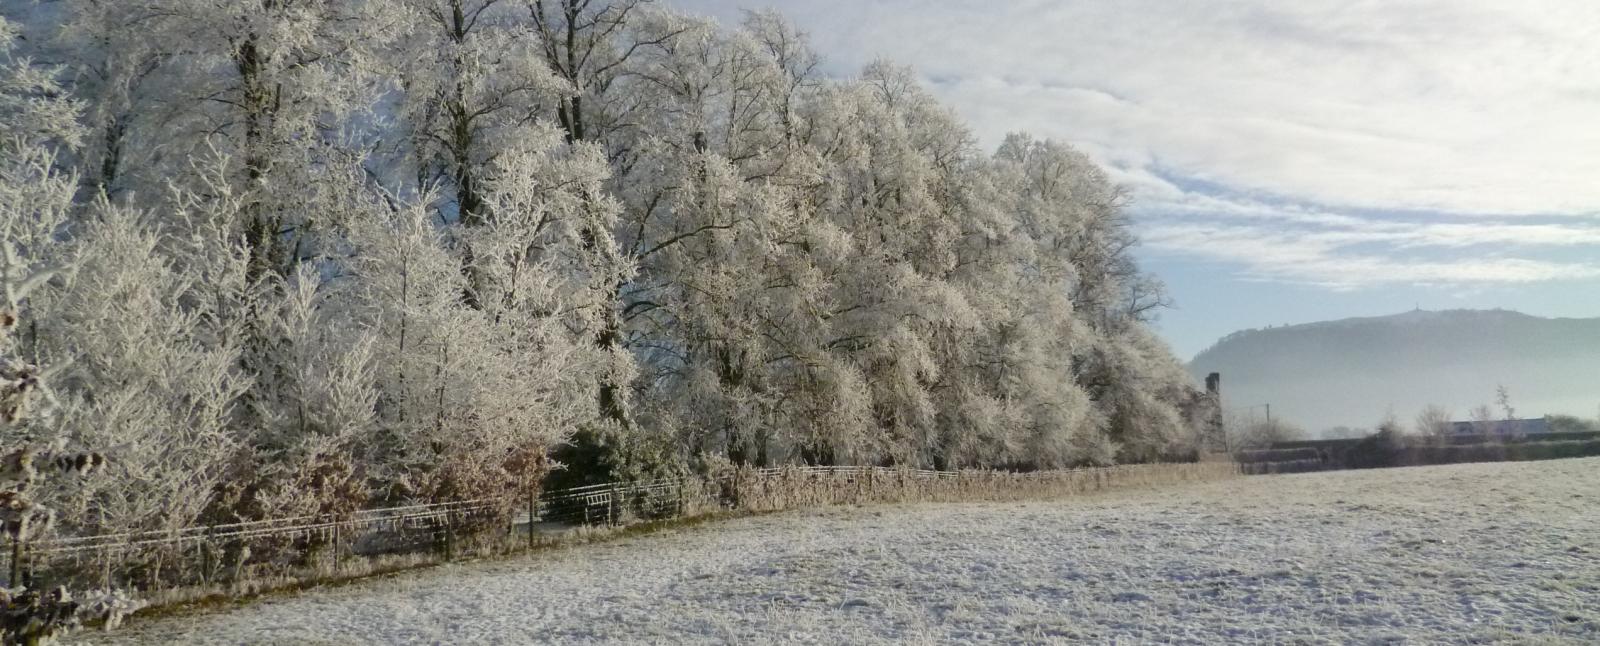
1506 552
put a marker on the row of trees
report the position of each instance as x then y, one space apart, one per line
309 256
1433 421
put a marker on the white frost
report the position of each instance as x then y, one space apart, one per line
1487 552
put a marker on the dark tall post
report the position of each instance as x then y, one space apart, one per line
1218 433
532 502
449 537
16 561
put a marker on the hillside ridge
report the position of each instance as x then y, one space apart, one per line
1354 371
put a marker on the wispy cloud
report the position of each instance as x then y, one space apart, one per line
1333 259
1436 142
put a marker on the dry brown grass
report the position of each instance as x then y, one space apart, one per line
796 487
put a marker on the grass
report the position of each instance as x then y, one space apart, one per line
1341 557
194 600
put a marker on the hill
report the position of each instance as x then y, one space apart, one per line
1351 372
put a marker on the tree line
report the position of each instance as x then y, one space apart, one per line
283 257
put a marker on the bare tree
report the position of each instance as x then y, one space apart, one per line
1502 398
1483 420
1433 421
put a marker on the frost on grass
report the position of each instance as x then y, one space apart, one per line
1464 553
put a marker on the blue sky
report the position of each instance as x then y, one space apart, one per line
1288 161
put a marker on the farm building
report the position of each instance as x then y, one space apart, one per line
1534 426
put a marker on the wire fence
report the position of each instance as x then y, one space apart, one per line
224 557
218 553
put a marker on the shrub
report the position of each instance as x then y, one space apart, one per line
1381 449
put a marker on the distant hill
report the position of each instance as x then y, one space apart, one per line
1351 372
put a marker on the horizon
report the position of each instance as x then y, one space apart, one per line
1286 163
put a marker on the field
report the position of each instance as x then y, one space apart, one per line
1505 552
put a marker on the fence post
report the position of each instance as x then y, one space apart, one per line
28 565
449 536
16 561
105 555
205 557
336 547
611 509
532 502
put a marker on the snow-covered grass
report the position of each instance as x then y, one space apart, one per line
1461 553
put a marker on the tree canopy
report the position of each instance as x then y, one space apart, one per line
305 257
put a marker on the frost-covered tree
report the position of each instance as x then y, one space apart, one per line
474 87
153 378
798 240
410 290
117 72
1134 381
466 389
586 43
416 250
37 122
548 283
702 229
273 85
35 111
582 44
316 406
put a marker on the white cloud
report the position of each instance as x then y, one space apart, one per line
1325 259
1437 124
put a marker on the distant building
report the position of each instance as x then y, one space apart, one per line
1535 426
1203 412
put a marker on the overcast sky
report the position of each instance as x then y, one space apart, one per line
1290 161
